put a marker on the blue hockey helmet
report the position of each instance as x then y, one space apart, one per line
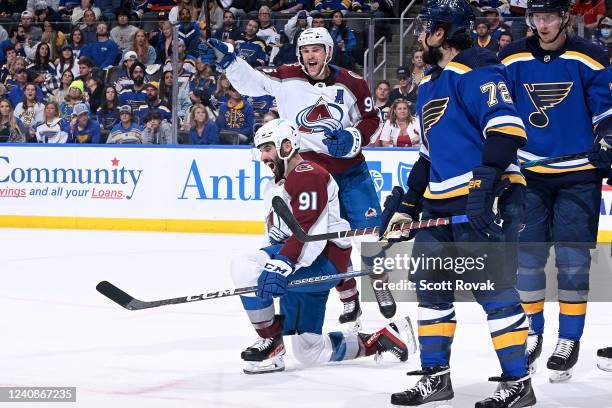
548 6
456 15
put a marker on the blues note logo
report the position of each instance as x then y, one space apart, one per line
545 96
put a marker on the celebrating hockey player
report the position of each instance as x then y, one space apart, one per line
336 116
312 194
561 86
464 106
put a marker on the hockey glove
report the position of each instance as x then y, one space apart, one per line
224 52
400 209
345 143
600 158
207 54
484 188
273 279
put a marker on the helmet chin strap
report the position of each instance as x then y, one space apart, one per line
322 70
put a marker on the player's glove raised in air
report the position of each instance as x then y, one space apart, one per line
481 210
207 54
345 143
273 279
224 52
400 208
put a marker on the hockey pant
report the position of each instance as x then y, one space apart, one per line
566 218
304 311
360 206
508 325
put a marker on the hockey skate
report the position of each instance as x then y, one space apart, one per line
384 298
351 314
511 392
563 360
534 350
433 389
604 359
264 356
388 339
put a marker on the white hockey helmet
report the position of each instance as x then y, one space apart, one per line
312 36
277 131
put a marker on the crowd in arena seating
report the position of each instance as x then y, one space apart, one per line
100 71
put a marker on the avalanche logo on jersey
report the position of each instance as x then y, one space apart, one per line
545 96
321 117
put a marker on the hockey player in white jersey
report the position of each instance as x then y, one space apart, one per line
312 194
336 116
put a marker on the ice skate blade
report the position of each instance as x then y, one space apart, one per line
433 404
404 327
271 365
560 376
604 364
533 367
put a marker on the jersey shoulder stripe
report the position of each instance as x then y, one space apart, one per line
585 59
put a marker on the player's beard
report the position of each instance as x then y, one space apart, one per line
432 55
278 168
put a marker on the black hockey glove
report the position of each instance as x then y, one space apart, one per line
481 210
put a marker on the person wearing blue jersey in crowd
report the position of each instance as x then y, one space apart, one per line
561 85
464 105
83 128
105 52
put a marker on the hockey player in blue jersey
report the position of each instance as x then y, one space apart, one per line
471 133
561 86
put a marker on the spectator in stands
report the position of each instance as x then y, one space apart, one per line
216 16
83 128
400 129
164 49
135 95
296 24
11 128
78 13
261 105
270 115
285 52
52 129
54 38
418 67
292 6
19 84
29 110
108 8
89 27
318 20
267 32
156 130
11 8
344 41
67 6
188 30
30 30
173 15
250 47
126 131
45 13
11 41
203 130
9 79
6 71
156 35
76 41
483 36
381 98
504 39
406 88
604 36
237 115
140 45
517 14
108 112
60 94
229 30
76 95
42 60
381 10
139 7
165 94
221 95
95 92
104 53
496 27
591 10
123 33
329 6
85 69
152 103
66 61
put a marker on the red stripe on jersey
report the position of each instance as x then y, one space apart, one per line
286 71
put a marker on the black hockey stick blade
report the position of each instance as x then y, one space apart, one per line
117 295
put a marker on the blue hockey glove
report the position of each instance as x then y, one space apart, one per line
600 158
273 279
400 208
207 54
344 143
484 188
224 52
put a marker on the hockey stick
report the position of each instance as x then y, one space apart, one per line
283 211
551 160
131 303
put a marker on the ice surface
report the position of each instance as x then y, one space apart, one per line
58 331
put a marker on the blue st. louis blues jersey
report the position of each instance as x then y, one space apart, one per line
560 96
459 106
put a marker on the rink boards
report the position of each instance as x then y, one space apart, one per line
184 189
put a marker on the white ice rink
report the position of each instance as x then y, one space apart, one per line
58 331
